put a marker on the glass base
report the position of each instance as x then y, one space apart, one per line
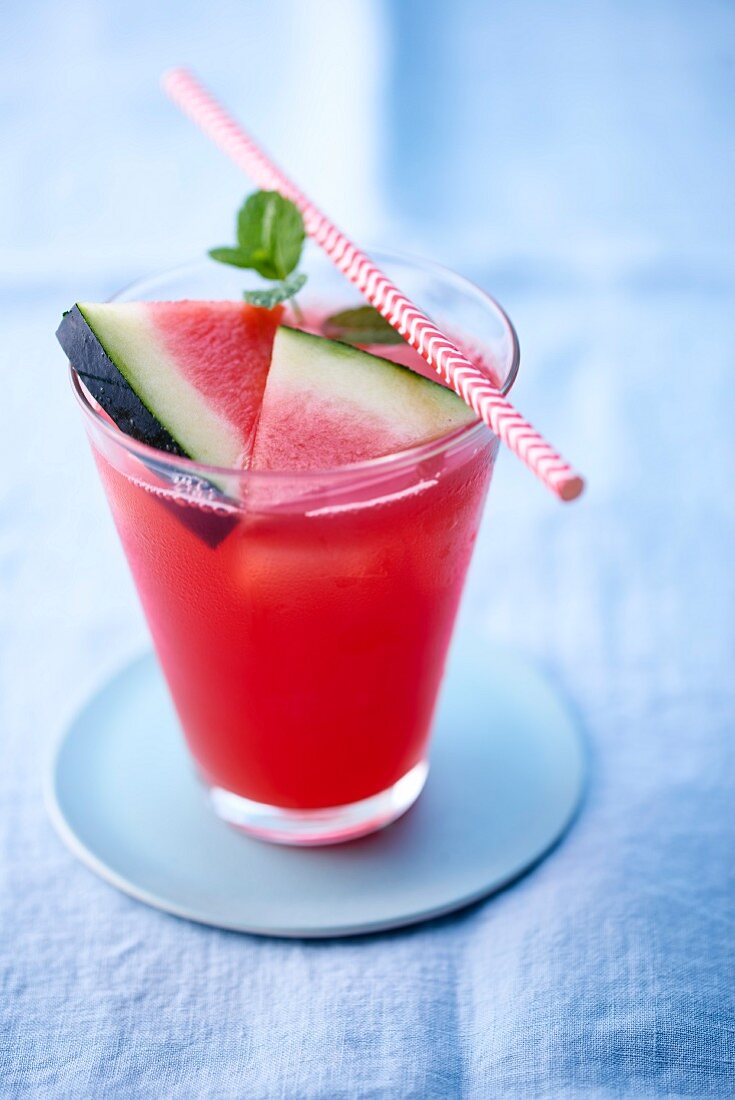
331 825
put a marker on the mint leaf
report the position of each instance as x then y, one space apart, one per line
270 233
279 292
270 237
230 256
362 325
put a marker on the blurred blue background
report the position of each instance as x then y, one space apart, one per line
576 159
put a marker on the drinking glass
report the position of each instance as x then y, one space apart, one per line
302 618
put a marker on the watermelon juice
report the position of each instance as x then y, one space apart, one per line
302 618
304 650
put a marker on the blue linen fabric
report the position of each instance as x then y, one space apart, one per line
577 160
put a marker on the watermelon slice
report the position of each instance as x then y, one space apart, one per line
327 404
185 377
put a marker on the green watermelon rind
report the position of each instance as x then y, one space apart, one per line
443 397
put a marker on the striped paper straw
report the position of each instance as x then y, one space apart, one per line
472 385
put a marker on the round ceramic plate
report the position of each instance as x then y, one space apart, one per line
506 777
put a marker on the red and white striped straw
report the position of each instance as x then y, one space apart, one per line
468 381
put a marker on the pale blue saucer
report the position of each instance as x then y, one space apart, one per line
507 770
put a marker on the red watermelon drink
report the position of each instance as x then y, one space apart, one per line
301 582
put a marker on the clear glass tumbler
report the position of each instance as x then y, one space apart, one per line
302 620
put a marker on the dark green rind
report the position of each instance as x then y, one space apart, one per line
353 352
109 386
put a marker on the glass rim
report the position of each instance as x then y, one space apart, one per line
467 433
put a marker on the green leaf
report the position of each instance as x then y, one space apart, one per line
231 256
270 234
362 325
279 292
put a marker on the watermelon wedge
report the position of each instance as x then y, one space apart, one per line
185 377
327 404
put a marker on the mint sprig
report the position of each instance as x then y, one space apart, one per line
270 238
279 292
362 325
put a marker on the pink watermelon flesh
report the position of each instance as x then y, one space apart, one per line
224 350
299 430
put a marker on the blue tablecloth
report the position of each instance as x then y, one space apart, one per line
577 160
